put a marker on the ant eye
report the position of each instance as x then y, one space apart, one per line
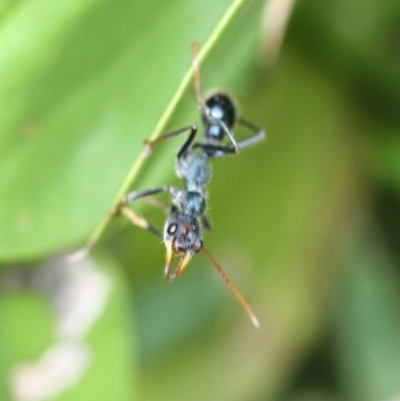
171 230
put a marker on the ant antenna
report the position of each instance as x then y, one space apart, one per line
240 297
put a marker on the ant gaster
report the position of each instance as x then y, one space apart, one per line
182 231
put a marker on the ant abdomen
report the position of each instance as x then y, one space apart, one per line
220 107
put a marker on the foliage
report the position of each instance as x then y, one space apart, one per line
306 223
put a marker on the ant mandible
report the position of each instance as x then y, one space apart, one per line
182 233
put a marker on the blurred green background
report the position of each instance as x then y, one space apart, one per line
306 224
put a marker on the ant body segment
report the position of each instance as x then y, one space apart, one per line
182 234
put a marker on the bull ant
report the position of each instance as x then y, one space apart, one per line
182 233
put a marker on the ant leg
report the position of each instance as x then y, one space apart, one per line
136 219
259 134
221 150
133 217
218 150
129 198
196 74
150 144
182 150
173 191
140 221
211 119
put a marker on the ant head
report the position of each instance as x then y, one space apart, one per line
222 108
182 236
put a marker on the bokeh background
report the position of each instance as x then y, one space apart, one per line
306 223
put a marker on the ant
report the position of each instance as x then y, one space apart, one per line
182 233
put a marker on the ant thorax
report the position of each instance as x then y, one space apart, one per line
194 170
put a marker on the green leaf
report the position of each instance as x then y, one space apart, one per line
83 84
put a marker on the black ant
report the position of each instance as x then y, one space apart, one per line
182 231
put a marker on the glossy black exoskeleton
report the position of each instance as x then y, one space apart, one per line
221 106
